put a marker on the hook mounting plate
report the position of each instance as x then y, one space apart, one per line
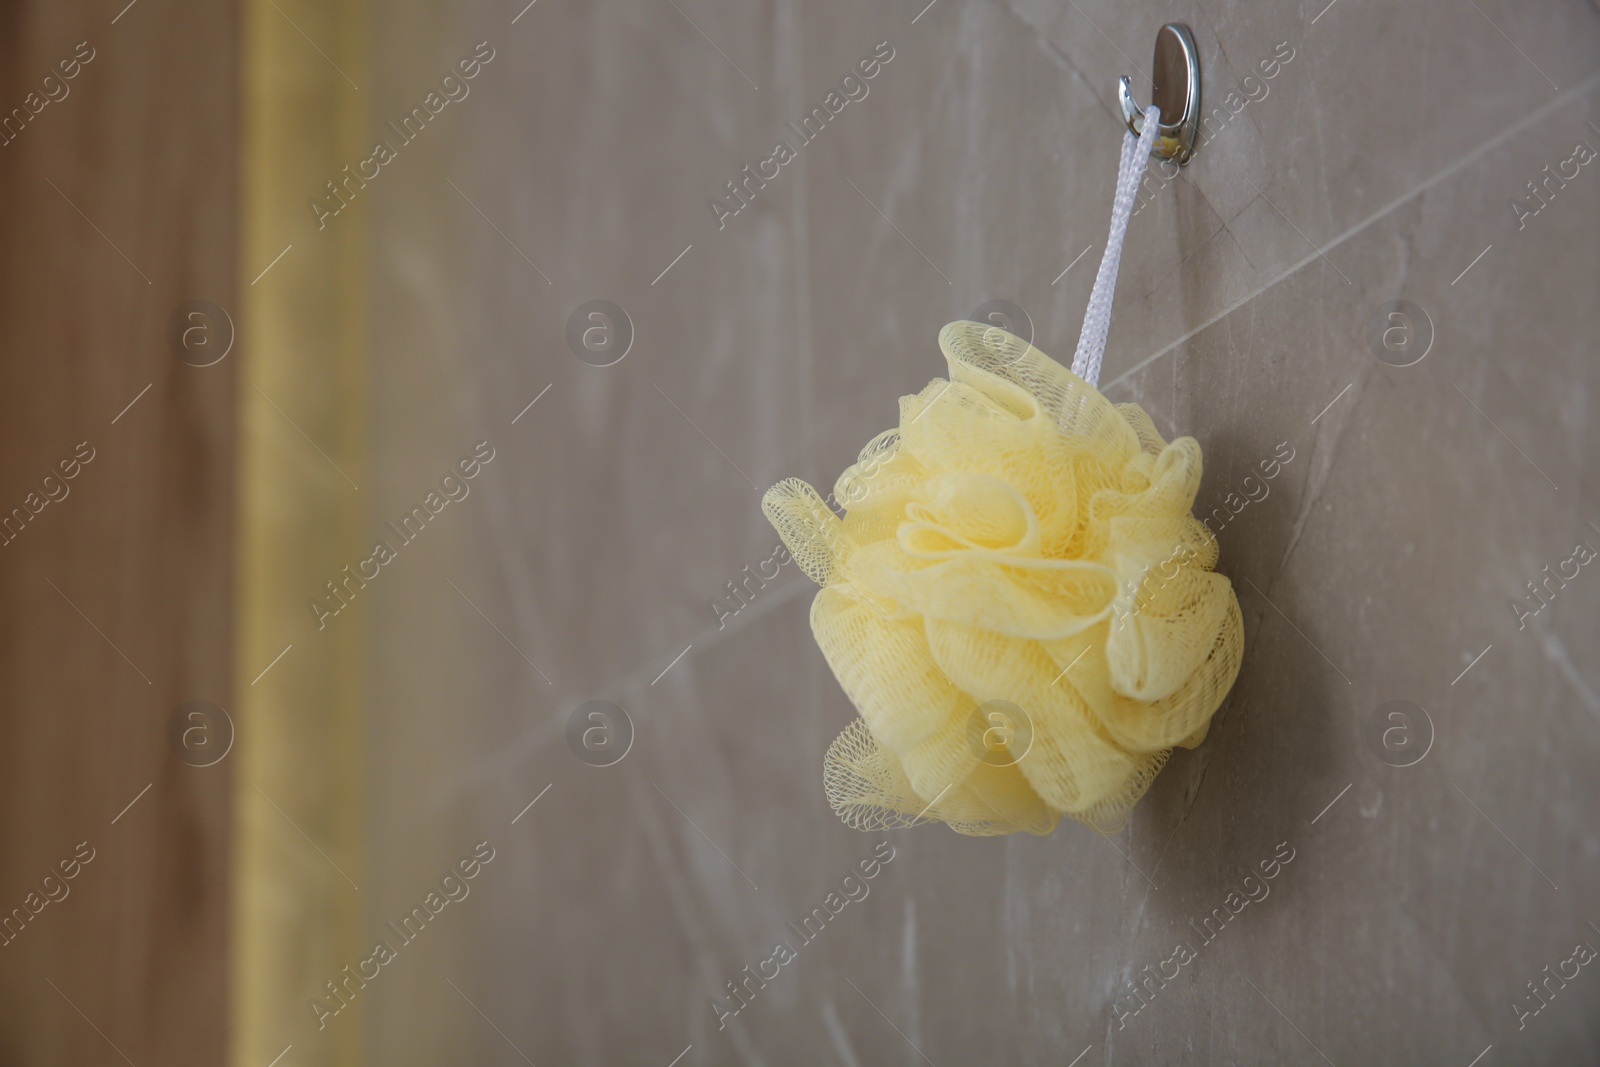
1176 92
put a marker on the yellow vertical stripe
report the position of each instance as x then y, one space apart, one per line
302 418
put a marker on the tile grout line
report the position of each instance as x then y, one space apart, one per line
538 737
1528 119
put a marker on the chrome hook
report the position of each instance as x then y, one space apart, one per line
1176 91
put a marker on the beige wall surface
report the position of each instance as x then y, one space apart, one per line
1382 158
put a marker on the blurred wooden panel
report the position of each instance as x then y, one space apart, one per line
118 198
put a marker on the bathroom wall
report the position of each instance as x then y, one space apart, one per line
1426 868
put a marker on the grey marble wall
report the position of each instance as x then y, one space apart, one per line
1382 160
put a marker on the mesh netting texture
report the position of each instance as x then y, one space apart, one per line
1019 542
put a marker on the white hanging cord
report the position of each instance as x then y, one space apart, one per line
1097 319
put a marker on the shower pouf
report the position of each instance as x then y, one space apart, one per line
1019 542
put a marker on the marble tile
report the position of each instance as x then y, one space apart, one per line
1380 165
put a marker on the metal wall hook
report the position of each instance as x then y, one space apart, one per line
1176 92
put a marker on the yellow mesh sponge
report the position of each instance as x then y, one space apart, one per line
1018 600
